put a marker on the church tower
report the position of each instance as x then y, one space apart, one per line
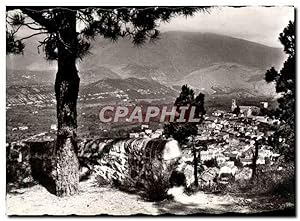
233 105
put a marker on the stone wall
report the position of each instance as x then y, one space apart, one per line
136 162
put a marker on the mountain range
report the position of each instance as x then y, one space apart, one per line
211 63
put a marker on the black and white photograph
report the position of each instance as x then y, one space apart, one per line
150 110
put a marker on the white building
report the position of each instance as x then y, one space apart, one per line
53 127
155 135
264 104
23 128
144 126
134 135
148 131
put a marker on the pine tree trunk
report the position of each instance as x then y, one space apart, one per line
254 164
195 164
67 165
66 92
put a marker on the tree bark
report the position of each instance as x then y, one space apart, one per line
67 166
195 164
254 164
66 92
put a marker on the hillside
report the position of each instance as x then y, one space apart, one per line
47 77
227 78
106 90
128 89
175 54
29 77
93 74
214 63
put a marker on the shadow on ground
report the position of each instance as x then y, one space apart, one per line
173 208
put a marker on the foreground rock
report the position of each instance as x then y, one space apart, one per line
129 163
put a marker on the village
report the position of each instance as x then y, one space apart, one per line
225 147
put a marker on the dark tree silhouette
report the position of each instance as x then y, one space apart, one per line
285 80
237 110
65 44
182 131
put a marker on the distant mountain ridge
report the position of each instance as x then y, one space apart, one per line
202 60
176 54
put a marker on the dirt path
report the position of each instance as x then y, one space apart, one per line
90 201
94 200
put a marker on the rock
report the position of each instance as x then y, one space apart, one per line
176 191
221 160
145 161
83 172
28 179
189 175
225 170
244 174
102 180
209 175
171 150
229 164
234 170
101 147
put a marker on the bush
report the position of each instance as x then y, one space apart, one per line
281 182
156 183
152 185
268 180
211 163
177 179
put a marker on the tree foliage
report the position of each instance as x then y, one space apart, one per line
140 24
285 80
237 110
66 34
181 131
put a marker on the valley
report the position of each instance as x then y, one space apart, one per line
151 74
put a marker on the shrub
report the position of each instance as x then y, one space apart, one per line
268 180
177 179
211 163
156 182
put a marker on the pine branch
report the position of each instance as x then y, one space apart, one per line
38 17
33 28
39 33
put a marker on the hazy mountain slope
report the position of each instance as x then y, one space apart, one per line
215 63
133 87
225 78
89 76
175 54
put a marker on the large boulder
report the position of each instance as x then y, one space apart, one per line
142 162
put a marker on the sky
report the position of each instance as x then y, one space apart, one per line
259 24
